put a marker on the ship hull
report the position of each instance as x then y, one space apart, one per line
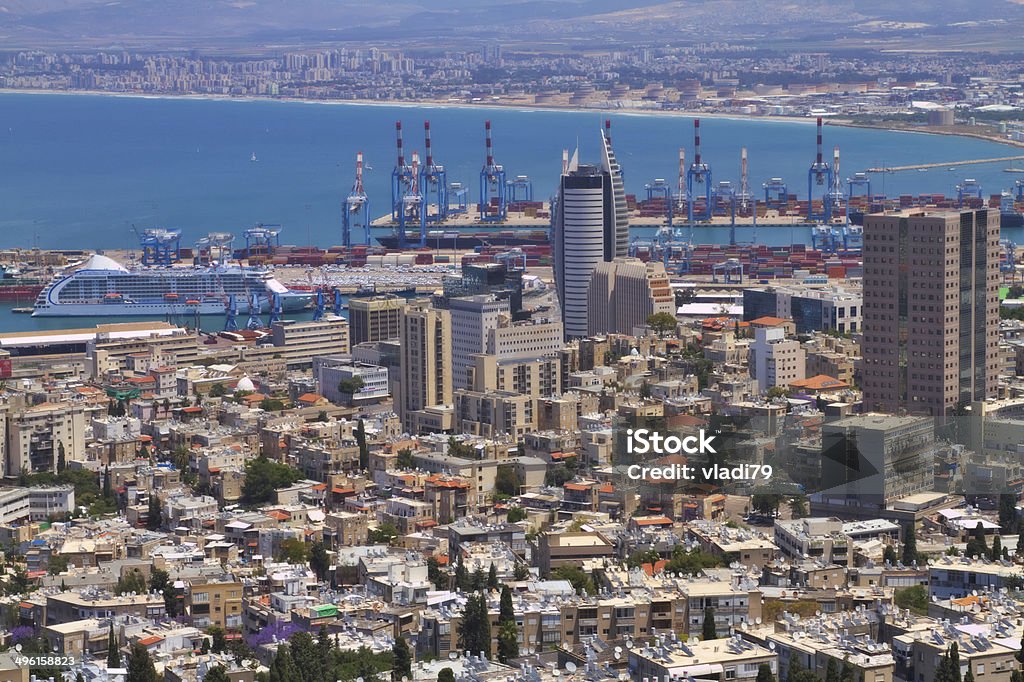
289 304
20 292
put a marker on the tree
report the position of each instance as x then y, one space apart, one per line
154 515
1020 544
520 572
282 668
308 663
403 659
319 561
293 551
351 386
364 449
219 640
798 506
954 660
1008 520
62 462
140 665
506 480
766 503
218 390
160 581
969 677
475 632
708 628
831 671
997 548
269 404
977 546
516 514
383 535
107 491
506 612
133 581
764 673
914 598
404 459
461 576
204 648
113 653
446 675
910 545
217 674
492 577
576 576
57 564
479 581
846 674
889 555
508 641
263 478
662 323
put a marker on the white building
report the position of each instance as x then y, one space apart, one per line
47 500
776 360
330 371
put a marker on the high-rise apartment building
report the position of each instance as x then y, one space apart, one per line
374 318
590 225
776 360
624 293
426 359
931 310
472 318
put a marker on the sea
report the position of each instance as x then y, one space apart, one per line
85 171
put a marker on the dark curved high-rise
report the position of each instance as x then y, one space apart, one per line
590 224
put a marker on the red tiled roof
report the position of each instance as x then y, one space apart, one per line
152 639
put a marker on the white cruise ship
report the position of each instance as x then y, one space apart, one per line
103 287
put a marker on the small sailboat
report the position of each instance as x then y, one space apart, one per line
253 158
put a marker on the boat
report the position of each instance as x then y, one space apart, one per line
17 287
1011 169
22 311
455 239
101 286
253 158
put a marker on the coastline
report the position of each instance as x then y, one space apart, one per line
528 108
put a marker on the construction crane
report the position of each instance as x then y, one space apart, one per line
231 315
659 189
433 188
853 185
682 198
819 174
519 188
216 246
276 309
493 190
969 188
699 174
776 194
835 197
262 238
318 311
356 211
159 246
254 321
725 196
402 180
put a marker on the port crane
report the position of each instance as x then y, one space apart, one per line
159 246
493 189
433 182
698 175
356 211
820 174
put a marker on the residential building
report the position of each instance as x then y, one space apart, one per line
374 318
774 359
426 360
624 293
931 301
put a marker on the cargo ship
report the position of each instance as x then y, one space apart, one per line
16 287
104 287
465 241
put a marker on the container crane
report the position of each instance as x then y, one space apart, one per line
819 174
699 174
433 188
356 211
493 190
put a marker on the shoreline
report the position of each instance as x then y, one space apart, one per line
837 121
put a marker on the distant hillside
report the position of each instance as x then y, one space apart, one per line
214 23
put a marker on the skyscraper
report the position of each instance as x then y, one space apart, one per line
426 360
624 293
590 225
931 310
374 318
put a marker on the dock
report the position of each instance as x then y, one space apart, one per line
946 164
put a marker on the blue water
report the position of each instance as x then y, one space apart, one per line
79 171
